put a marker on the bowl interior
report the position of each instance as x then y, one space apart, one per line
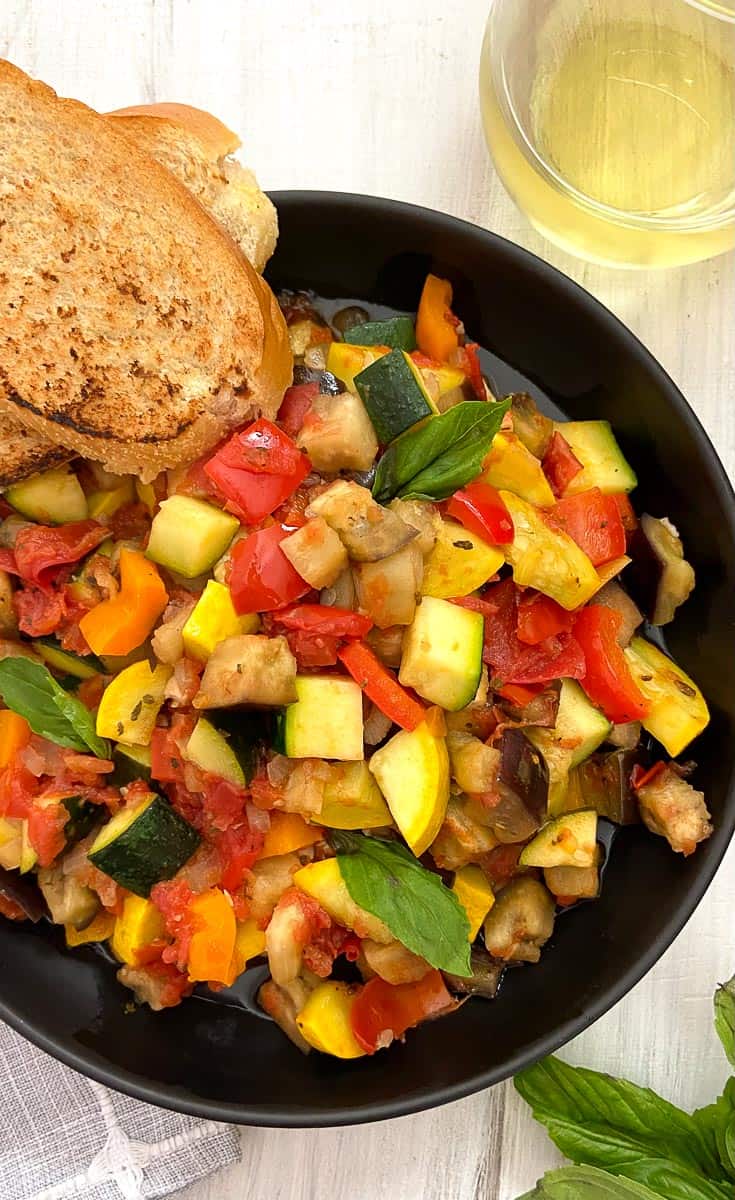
540 332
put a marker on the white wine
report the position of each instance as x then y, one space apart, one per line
624 148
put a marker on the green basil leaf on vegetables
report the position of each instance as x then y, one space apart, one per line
441 455
385 879
716 1125
725 1018
29 689
629 1130
587 1183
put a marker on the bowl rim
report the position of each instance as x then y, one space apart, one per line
166 1096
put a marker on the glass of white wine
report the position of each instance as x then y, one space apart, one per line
612 124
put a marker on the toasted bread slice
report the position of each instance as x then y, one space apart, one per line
198 149
134 332
23 453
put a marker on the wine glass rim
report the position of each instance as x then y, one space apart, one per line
619 215
723 10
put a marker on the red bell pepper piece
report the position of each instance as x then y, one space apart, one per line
256 470
560 464
626 511
46 830
470 363
639 777
312 649
593 521
540 617
39 613
480 509
320 618
608 681
295 405
381 686
41 549
261 577
383 1008
511 661
520 694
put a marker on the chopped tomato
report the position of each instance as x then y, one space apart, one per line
384 1011
257 470
626 511
500 864
295 405
520 694
593 521
320 618
238 847
261 577
17 789
224 802
41 549
326 945
167 749
130 522
39 612
7 561
11 909
480 509
560 464
173 900
312 649
469 361
608 681
559 657
540 617
46 830
381 686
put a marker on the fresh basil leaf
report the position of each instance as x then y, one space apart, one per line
386 880
725 1018
587 1183
29 689
716 1126
629 1130
440 455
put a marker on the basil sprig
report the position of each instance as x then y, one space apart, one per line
629 1143
29 689
442 454
386 880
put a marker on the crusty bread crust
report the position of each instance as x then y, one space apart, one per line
23 453
195 146
133 330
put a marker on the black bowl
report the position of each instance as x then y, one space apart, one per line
541 331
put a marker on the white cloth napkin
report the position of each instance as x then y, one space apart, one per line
63 1137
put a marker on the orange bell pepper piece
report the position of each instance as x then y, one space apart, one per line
436 325
122 623
15 733
213 940
289 831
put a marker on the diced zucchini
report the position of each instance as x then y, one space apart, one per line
346 361
188 535
442 653
603 464
325 1020
131 763
337 434
394 395
81 667
106 503
98 930
323 880
568 841
316 552
475 895
678 711
325 721
131 702
247 732
511 466
396 332
208 749
547 559
412 771
213 619
145 842
83 815
459 563
146 493
353 800
580 728
139 924
16 851
52 498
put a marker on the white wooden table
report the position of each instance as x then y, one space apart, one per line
381 97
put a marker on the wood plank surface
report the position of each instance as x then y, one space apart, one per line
382 98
